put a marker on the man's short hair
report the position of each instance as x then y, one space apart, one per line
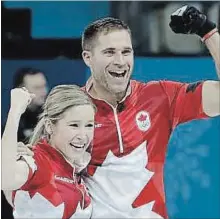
19 75
102 25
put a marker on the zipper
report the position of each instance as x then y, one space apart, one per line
121 148
83 195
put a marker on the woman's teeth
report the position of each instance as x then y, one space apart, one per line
77 146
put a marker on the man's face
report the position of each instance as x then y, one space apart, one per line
111 60
36 84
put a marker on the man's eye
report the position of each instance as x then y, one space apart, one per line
126 52
110 52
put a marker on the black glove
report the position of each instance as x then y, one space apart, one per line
189 20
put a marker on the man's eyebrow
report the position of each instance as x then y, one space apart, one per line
112 49
128 48
109 48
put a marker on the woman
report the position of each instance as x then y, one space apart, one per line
48 185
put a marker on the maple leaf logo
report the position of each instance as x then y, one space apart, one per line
142 118
143 121
82 213
35 207
120 181
40 207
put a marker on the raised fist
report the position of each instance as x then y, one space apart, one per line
189 20
20 99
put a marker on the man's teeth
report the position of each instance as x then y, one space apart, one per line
117 73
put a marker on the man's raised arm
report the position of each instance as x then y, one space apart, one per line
189 20
213 44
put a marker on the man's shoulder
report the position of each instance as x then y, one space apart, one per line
139 85
154 83
144 83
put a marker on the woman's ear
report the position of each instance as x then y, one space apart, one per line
48 127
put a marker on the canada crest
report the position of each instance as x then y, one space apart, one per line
143 120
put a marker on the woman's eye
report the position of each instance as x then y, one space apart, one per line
74 125
90 125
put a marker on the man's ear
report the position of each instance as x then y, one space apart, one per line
87 57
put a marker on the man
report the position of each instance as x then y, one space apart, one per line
35 81
134 120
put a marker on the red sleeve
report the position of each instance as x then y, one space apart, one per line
185 101
39 171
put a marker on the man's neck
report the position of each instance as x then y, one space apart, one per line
33 107
101 93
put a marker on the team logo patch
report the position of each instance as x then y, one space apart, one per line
64 179
143 121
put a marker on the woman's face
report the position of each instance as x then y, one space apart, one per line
73 133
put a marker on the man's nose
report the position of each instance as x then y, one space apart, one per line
119 59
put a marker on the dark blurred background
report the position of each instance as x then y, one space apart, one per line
46 35
53 29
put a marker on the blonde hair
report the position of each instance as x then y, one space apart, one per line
58 101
